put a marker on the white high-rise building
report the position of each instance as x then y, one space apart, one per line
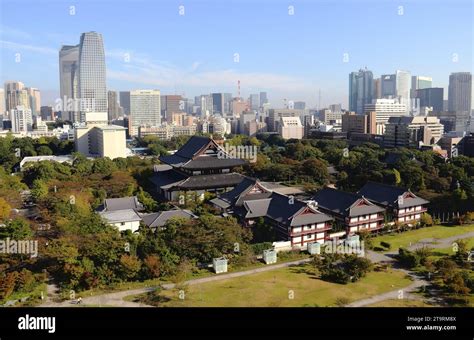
22 119
206 105
384 109
34 97
92 82
403 87
16 95
145 109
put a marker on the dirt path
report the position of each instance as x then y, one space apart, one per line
116 299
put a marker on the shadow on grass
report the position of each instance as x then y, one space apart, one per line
304 270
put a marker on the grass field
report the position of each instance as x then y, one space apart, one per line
404 239
285 287
400 303
450 250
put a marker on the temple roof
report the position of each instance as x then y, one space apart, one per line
344 203
170 179
388 195
201 153
159 219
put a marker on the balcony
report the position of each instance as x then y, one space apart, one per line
369 220
311 231
413 212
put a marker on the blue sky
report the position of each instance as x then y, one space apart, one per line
289 56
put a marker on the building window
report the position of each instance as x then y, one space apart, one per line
122 223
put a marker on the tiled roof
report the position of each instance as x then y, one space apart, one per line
159 219
211 181
387 195
112 204
193 146
282 209
117 216
189 157
344 203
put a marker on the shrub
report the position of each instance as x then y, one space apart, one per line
385 244
408 258
342 301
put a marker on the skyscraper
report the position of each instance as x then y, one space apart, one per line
388 85
16 95
254 101
68 80
218 103
377 88
459 92
92 84
420 82
205 102
431 97
227 103
171 104
145 109
34 97
2 102
125 101
404 87
263 98
361 90
113 105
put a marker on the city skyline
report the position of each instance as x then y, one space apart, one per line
179 61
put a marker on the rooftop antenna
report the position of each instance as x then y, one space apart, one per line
238 89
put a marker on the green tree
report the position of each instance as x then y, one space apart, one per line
39 190
5 209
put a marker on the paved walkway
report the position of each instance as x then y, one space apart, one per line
402 293
116 299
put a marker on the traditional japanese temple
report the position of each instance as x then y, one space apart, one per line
198 166
293 220
402 205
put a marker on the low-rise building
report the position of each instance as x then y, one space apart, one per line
122 213
352 212
293 220
412 131
157 221
401 204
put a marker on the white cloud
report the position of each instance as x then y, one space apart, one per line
9 45
142 70
10 32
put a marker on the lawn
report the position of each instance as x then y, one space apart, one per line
404 239
286 287
400 303
201 273
450 250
